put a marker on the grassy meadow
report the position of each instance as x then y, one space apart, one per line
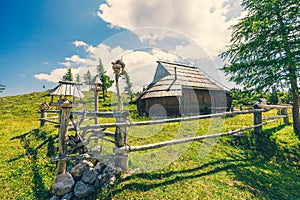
245 166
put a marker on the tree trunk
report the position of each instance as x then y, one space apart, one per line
295 94
103 93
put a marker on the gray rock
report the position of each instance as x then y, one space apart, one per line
108 170
104 179
83 190
89 176
100 167
97 183
55 197
82 166
63 184
67 196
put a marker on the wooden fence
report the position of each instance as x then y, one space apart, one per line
120 136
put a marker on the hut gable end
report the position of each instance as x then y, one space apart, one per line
160 73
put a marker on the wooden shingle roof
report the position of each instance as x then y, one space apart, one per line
67 88
171 78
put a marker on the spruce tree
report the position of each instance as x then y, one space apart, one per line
128 88
265 48
68 76
106 81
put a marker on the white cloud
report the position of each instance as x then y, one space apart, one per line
90 48
67 64
75 59
78 43
55 75
107 54
206 22
87 48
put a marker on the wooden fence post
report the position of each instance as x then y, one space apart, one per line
64 116
257 120
96 104
43 117
286 118
121 158
121 139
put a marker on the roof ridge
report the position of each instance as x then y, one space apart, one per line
177 64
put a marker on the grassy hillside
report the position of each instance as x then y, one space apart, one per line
237 167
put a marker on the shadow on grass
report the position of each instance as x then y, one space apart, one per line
29 142
258 171
271 175
155 180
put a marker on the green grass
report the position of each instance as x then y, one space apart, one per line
238 167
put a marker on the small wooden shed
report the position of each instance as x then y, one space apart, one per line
178 90
66 89
96 84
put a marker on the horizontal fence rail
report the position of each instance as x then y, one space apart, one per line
171 120
185 140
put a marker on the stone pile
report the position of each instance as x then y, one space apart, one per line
83 180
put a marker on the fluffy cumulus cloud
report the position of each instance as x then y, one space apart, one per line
206 22
140 64
79 44
191 31
87 48
67 64
55 75
75 59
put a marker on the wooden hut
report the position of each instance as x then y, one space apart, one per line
179 89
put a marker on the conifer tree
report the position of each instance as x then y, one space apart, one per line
106 81
68 76
87 78
2 88
265 48
128 88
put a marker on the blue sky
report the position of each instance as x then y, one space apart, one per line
41 39
36 35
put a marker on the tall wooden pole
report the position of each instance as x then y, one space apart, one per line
120 104
121 158
64 116
96 103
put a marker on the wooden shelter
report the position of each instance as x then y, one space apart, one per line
96 84
179 89
64 90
